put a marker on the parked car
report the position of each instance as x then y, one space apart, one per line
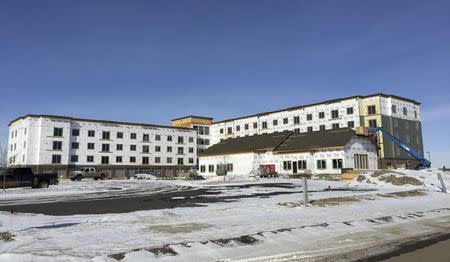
145 176
24 177
87 172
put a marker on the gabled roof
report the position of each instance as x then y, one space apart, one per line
332 138
286 141
247 144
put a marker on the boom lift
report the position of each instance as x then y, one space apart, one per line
424 163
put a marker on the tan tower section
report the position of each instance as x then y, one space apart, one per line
190 121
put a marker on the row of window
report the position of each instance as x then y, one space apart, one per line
106 135
13 147
57 145
371 110
320 164
56 159
14 133
296 119
219 167
202 130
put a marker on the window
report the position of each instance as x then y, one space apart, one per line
264 125
394 109
191 150
157 137
334 114
25 131
309 117
221 131
202 168
415 114
91 133
229 130
105 135
74 158
132 159
191 139
56 159
361 161
169 149
75 132
119 136
105 160
335 125
337 163
180 150
145 149
321 115
321 164
207 142
322 127
133 136
238 128
297 130
24 144
296 120
210 168
230 167
118 159
57 131
75 145
191 160
157 159
405 111
302 164
105 147
90 146
145 137
255 125
119 147
287 165
57 145
90 159
351 124
157 149
206 130
371 110
349 110
246 126
169 138
180 161
310 128
285 120
169 160
373 123
180 140
145 160
275 122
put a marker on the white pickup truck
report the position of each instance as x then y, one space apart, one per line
87 172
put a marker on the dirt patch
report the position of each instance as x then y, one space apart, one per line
360 178
245 240
381 172
401 180
333 201
182 228
6 236
412 193
164 250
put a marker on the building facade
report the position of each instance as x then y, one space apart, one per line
316 152
57 143
397 115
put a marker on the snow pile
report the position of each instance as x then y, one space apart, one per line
422 179
230 178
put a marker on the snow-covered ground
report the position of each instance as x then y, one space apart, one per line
249 228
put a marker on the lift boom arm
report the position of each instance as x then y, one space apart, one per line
424 163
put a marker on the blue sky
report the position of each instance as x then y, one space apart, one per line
151 61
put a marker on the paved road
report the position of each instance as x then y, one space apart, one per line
189 197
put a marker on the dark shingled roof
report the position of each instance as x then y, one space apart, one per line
286 141
315 140
247 144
